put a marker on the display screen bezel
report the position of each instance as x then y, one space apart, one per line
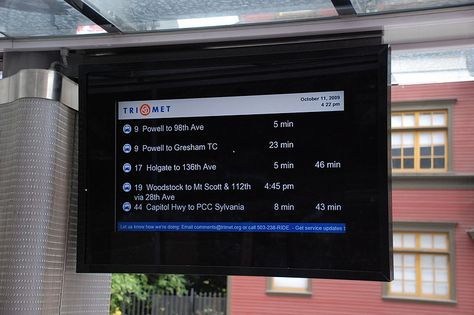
196 58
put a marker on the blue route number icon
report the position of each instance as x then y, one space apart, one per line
127 129
127 148
127 168
127 187
127 206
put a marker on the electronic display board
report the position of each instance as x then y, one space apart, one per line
218 167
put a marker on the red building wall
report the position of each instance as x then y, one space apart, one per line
248 294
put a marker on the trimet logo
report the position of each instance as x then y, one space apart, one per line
145 109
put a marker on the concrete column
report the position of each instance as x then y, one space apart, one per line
38 199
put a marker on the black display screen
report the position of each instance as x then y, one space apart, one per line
267 164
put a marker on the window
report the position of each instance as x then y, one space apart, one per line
419 141
286 285
423 263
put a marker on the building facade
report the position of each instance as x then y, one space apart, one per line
433 215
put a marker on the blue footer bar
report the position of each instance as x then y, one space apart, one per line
273 227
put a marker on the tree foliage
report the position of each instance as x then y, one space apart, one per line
207 283
125 285
168 283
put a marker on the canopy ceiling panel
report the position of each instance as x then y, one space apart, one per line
152 15
41 18
51 24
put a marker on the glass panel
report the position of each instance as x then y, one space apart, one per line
425 139
408 163
439 120
396 140
398 273
150 15
408 120
438 163
364 6
426 241
397 258
43 18
438 150
208 21
396 121
427 288
425 163
408 139
396 287
396 152
425 151
292 283
441 275
397 163
408 151
441 288
427 275
440 242
410 274
410 286
409 260
441 261
425 120
426 261
438 138
397 241
409 240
